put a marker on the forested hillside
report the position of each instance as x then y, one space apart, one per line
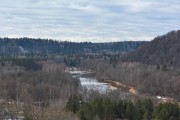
36 86
163 50
11 46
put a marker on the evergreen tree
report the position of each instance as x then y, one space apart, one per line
73 103
86 112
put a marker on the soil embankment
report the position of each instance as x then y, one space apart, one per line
117 85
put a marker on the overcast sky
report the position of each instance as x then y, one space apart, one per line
89 20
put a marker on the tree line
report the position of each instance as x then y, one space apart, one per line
31 46
106 109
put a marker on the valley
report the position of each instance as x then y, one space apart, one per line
91 83
74 84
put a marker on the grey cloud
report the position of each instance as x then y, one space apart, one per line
88 20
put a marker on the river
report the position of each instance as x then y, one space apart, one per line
91 83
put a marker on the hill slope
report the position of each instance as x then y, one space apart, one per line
9 46
163 50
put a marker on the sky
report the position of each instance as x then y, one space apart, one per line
89 20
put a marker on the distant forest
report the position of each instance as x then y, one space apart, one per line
28 46
163 50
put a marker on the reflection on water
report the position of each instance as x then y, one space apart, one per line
93 84
90 83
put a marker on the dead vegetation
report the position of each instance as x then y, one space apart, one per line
146 79
30 94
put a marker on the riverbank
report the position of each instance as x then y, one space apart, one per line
118 85
90 80
133 91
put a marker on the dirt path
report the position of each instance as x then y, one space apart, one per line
116 84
